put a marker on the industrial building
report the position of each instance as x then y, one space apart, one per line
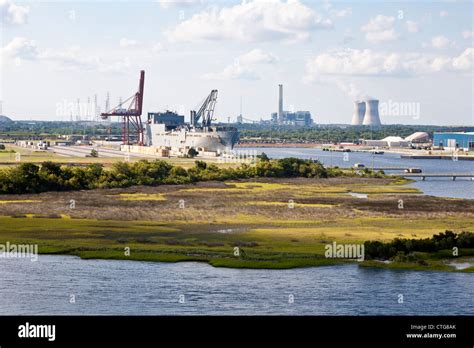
391 141
418 137
454 140
366 113
282 117
395 141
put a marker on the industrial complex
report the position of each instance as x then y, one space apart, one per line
296 118
166 134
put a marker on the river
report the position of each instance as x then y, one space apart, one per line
441 187
148 288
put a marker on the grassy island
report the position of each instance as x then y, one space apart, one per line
276 214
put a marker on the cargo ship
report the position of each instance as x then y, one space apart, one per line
168 129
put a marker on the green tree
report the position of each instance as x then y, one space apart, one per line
192 152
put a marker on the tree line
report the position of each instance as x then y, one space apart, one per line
332 133
50 176
402 248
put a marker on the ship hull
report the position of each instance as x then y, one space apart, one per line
209 139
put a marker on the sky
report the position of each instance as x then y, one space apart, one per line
415 57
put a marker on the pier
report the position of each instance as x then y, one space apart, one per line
436 175
393 169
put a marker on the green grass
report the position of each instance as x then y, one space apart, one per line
268 233
276 248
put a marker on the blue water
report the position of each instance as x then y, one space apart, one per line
148 288
441 187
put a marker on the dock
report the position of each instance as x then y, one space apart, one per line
393 169
443 157
423 176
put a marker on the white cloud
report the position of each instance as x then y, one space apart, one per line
465 61
468 34
12 13
179 3
439 42
257 56
244 66
22 48
251 21
379 23
444 14
345 12
380 29
412 27
126 43
348 88
72 57
371 63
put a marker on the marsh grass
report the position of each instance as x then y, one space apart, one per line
253 214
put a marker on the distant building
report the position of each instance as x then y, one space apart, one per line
391 141
297 118
418 137
454 140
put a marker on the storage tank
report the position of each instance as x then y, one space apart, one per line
371 117
359 112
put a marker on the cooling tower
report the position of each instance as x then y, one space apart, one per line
371 117
359 112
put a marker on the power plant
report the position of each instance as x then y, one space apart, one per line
366 113
296 118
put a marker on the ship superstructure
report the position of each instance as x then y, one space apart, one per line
168 129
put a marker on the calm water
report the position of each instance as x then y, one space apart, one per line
134 288
442 187
148 288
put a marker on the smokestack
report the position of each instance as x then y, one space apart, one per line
372 117
280 103
359 112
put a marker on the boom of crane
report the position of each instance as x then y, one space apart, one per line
131 116
206 111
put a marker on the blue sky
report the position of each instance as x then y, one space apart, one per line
326 53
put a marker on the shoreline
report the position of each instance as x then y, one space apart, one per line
404 153
443 265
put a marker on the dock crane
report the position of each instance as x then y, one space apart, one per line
131 116
205 112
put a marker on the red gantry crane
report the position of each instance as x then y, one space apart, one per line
131 116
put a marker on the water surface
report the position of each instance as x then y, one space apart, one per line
149 288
